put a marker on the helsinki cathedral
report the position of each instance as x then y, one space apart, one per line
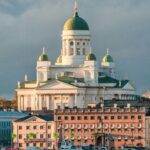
76 79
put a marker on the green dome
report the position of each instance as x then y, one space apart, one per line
43 56
108 58
90 56
76 23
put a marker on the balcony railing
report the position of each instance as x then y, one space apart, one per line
34 140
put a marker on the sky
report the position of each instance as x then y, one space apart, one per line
26 26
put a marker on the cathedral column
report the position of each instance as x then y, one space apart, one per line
76 100
19 102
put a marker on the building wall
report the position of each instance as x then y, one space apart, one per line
50 98
147 131
43 131
115 122
6 119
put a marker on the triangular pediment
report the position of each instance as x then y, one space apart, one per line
129 86
34 119
56 85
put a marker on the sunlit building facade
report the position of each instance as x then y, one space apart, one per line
77 78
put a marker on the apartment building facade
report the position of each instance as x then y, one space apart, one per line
34 131
113 126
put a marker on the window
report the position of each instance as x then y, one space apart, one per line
20 144
41 144
71 51
78 43
79 117
49 144
72 118
20 127
92 117
85 118
78 51
49 127
139 117
132 117
83 51
20 136
34 127
71 43
66 117
59 117
99 117
27 144
49 135
41 127
119 117
112 117
41 136
105 117
125 117
34 144
83 43
27 127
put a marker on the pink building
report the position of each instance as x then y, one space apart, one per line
34 131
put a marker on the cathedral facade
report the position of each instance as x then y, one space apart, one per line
76 79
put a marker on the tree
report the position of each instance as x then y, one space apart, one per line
13 136
71 135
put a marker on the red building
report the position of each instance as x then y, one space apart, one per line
112 126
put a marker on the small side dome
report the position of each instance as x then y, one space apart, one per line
90 56
43 56
59 59
108 58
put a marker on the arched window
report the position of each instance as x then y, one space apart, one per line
71 43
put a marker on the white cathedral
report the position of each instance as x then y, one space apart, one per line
76 79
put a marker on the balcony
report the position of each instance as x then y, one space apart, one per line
34 140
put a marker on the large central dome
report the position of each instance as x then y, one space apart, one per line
76 23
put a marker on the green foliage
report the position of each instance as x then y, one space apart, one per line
31 135
55 135
71 135
13 136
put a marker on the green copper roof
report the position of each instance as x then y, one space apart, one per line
107 57
76 23
43 56
90 56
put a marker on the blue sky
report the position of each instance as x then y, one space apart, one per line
28 25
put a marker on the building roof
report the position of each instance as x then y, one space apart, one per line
11 114
106 79
43 56
76 23
90 56
107 58
70 80
44 117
